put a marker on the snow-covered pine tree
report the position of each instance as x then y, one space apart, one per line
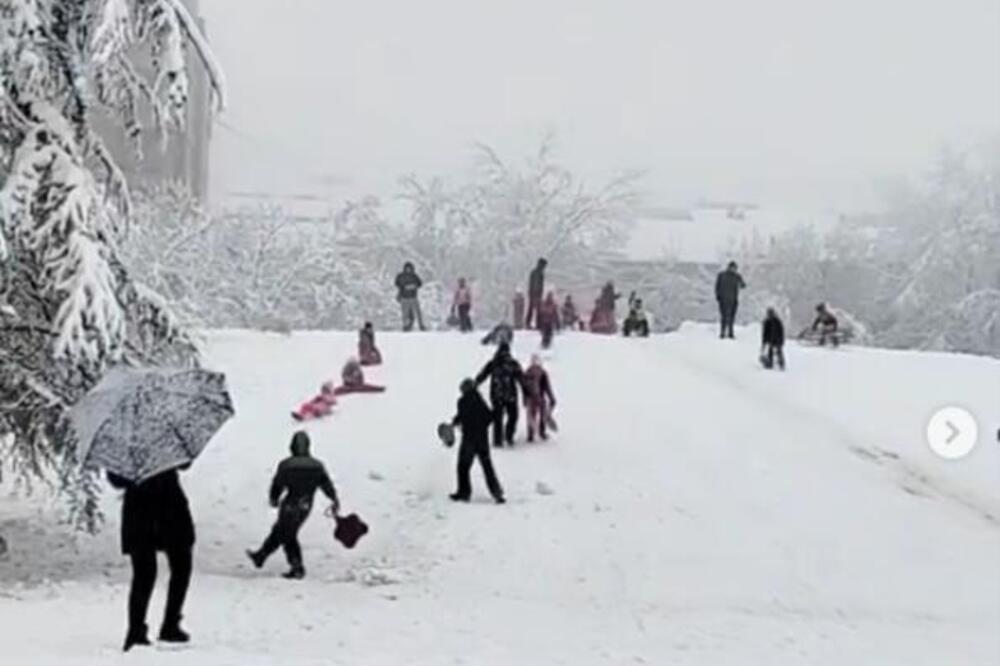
68 307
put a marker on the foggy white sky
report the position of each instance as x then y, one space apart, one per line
780 100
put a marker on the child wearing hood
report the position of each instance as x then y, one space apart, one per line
295 483
368 353
353 378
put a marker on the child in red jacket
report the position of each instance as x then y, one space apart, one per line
539 400
319 406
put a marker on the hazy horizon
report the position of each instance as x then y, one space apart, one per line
779 101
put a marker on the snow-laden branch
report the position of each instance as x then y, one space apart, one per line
216 76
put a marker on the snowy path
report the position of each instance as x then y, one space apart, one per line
701 512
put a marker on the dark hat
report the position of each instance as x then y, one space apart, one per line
300 443
467 386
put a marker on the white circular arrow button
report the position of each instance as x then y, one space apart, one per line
952 432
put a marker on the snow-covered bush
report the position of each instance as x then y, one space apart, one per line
70 308
922 274
493 227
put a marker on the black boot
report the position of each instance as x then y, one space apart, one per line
256 558
171 632
297 572
455 497
137 636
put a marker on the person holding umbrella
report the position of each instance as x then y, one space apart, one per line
141 425
156 518
292 490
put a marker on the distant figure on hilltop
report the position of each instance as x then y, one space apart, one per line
772 340
826 325
602 319
548 319
408 285
368 353
636 323
462 306
536 289
569 314
519 306
727 294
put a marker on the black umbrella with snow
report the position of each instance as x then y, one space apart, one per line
137 423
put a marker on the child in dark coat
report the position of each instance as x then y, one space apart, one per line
474 418
353 378
292 490
772 341
506 378
368 353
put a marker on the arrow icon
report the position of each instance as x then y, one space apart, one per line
953 432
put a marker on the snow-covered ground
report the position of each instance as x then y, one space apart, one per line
694 509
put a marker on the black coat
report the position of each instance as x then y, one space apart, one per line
773 332
474 417
505 376
297 479
408 283
728 285
155 514
536 283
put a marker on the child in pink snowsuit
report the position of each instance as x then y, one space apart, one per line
353 378
538 399
319 406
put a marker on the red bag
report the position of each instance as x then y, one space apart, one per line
349 529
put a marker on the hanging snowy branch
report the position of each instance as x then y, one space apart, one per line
68 308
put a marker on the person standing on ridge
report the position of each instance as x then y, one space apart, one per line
727 294
462 306
772 339
408 285
536 289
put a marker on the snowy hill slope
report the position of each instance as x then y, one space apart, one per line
694 509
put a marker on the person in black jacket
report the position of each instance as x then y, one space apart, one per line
292 490
636 323
505 375
727 294
474 418
772 341
826 325
536 288
408 285
156 517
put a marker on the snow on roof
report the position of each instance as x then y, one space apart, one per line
711 235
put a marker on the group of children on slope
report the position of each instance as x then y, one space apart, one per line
352 378
474 417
